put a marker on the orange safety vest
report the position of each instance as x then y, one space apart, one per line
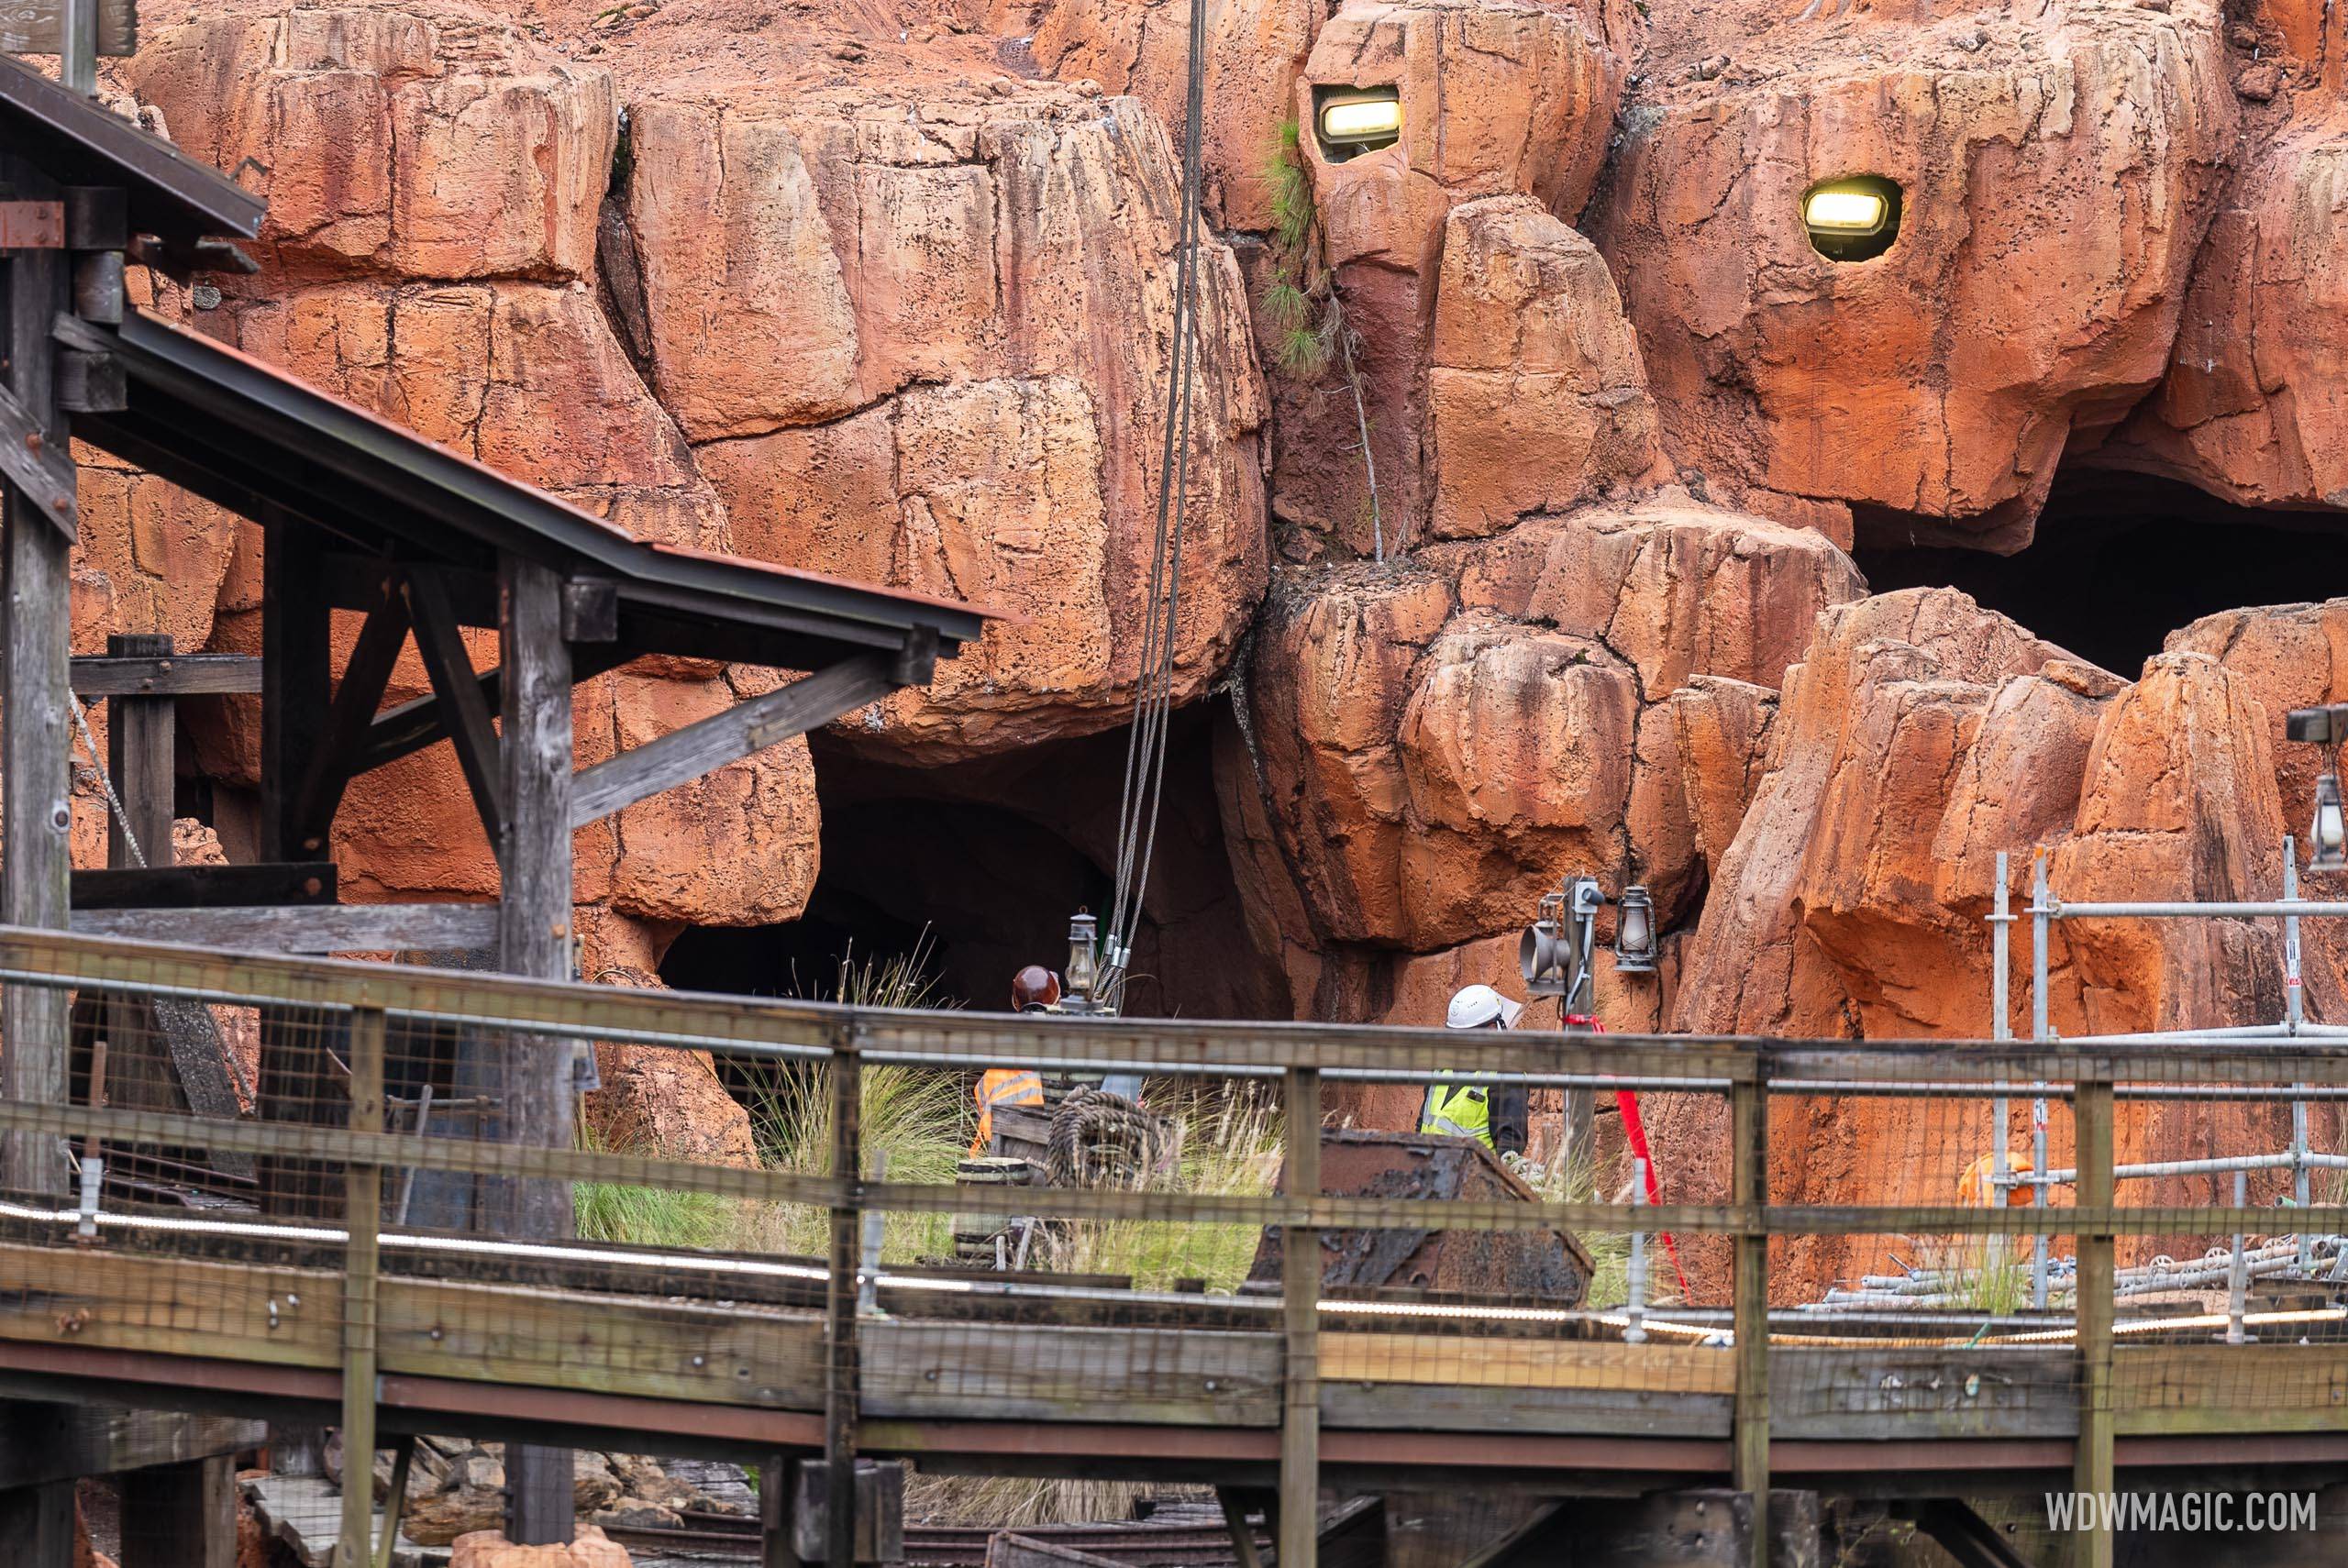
1002 1085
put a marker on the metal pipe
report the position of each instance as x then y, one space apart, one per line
2270 909
2232 1034
2001 1028
1635 1308
2238 1269
2040 1033
2295 1000
2217 1166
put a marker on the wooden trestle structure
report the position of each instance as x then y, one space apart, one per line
360 516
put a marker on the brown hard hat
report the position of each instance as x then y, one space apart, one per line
1033 986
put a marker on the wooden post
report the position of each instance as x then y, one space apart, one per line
1299 1510
36 820
1749 1184
138 764
295 653
843 1388
534 916
36 1526
363 1213
2091 1127
778 1545
36 779
181 1516
395 1506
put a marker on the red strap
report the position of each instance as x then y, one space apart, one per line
1635 1130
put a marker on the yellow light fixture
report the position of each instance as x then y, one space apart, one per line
1846 212
1350 121
1852 219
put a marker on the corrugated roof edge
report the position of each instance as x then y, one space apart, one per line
144 328
217 204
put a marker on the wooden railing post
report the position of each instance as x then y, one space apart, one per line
840 1389
362 1204
1749 1190
2091 1126
1299 1510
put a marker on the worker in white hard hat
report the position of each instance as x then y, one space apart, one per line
1496 1115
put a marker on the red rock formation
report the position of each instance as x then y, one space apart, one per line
972 287
1441 743
1499 97
1536 398
1254 49
2254 404
2057 173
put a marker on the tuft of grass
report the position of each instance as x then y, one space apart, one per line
1291 189
649 1216
1300 352
1286 307
1230 1147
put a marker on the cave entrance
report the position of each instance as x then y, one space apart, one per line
2121 560
976 867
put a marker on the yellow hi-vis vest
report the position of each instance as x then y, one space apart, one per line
1002 1085
1457 1110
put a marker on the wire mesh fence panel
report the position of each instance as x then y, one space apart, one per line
896 1217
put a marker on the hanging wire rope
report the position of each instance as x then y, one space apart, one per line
1147 740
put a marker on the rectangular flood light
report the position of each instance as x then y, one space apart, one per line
1361 119
1845 211
1349 121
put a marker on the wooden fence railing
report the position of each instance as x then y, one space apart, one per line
380 1320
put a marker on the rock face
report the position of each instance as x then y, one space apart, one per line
1536 398
2056 174
1917 737
2253 405
888 291
1498 98
1445 741
975 296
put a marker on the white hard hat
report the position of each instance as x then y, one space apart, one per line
1472 1007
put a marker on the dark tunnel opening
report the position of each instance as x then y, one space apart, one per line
977 866
2121 560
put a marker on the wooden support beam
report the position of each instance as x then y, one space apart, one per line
139 764
352 714
709 744
2091 1129
166 887
44 1442
412 726
181 1516
844 1375
1243 1534
36 1526
534 936
176 675
306 928
778 1545
37 463
1749 1190
362 1207
296 648
460 688
36 818
1299 1510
